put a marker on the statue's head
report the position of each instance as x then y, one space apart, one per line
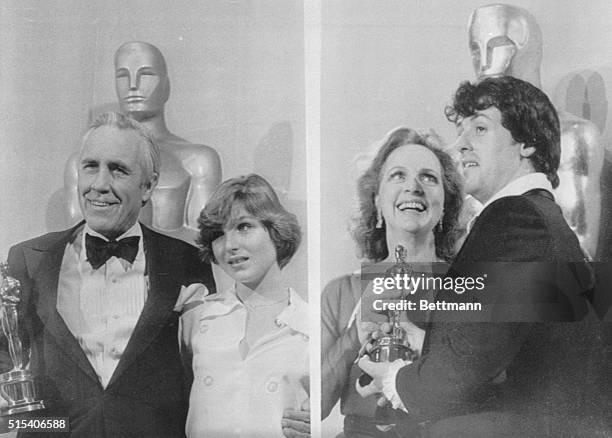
141 80
505 40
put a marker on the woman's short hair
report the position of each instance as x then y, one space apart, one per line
257 197
370 240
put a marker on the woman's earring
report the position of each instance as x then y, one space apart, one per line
439 226
379 219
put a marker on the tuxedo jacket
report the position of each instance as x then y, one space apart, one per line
148 393
531 351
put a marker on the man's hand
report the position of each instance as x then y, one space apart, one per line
296 424
377 370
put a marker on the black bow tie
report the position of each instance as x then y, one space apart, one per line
99 250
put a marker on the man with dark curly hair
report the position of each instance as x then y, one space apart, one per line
515 368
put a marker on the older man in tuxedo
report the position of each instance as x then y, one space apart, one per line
97 300
528 364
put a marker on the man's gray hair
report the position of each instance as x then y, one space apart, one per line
122 122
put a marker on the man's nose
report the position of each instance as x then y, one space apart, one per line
101 182
462 143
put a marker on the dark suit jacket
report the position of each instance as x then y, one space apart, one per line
148 392
532 356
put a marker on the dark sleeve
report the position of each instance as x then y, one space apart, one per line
462 356
339 344
198 271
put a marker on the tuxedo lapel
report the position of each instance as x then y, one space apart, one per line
46 278
473 234
162 267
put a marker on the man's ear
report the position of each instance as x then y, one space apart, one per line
149 186
527 151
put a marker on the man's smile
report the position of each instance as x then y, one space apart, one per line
101 203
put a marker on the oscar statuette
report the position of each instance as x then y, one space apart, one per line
395 344
16 386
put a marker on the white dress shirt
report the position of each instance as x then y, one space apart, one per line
101 306
236 396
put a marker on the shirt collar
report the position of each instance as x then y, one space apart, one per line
134 230
516 187
295 315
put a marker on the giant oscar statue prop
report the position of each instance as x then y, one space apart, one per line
506 40
189 172
16 386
